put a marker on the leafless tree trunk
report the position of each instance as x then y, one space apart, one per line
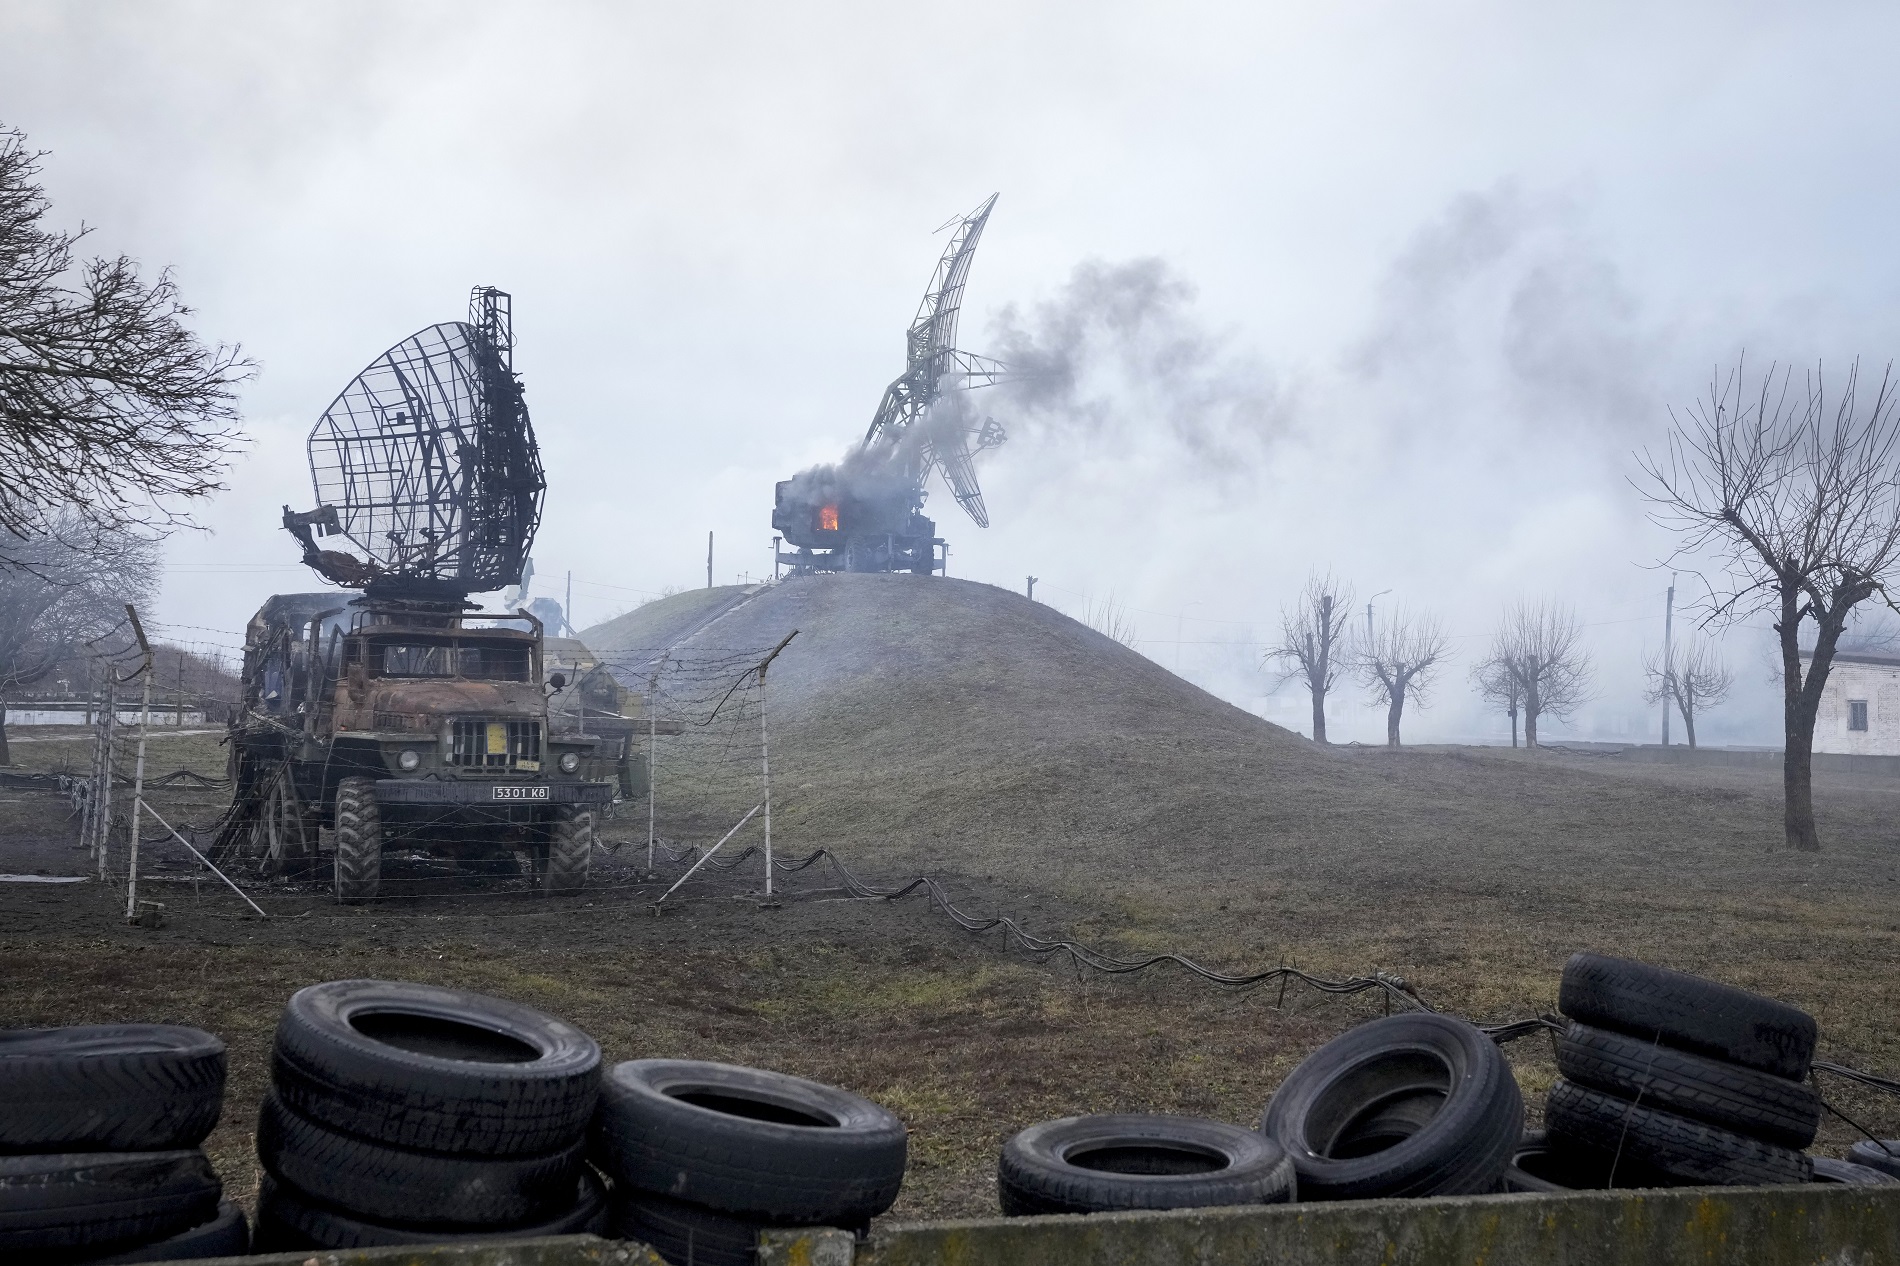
1398 662
1798 504
1696 681
109 406
1537 659
1314 646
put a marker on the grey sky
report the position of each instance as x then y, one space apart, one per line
1475 249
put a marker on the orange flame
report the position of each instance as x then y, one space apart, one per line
828 518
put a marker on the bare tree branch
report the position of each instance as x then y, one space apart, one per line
1398 662
1537 662
1798 502
1314 645
67 589
1694 682
110 408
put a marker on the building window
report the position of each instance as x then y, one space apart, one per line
1856 714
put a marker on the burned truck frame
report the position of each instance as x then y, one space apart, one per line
412 724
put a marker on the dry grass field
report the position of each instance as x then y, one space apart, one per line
1041 771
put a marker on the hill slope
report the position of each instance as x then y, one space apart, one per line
962 728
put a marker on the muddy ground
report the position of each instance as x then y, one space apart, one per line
1471 872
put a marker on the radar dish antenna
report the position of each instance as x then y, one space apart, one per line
427 463
916 416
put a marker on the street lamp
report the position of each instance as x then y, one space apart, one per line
1382 593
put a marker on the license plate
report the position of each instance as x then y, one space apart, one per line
505 792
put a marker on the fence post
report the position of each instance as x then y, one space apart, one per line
109 737
653 752
765 757
138 771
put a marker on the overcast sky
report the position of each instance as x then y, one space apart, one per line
1437 269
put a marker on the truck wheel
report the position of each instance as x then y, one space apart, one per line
359 841
570 849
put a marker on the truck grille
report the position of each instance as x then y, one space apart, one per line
477 744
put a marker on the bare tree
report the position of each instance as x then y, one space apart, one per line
1694 682
1497 684
1398 662
1797 503
1538 648
63 591
1111 620
110 407
1314 646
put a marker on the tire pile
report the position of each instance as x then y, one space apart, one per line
1681 1079
99 1155
411 1114
1667 1079
704 1156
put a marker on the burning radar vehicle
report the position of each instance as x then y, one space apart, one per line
866 512
402 717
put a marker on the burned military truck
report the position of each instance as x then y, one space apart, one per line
403 716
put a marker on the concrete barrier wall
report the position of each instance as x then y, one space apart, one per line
1812 1225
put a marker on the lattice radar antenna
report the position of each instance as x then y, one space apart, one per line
914 415
427 464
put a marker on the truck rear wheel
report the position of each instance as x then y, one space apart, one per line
359 841
570 849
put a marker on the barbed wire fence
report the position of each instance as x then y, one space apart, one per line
706 746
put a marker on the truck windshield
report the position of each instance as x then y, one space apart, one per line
447 659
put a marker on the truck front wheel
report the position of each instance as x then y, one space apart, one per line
570 849
359 841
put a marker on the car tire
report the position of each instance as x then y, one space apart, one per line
1687 1150
1688 1012
686 1234
1883 1156
109 1088
1541 1165
435 1069
1408 1105
359 841
288 1220
106 1201
1829 1170
396 1184
226 1235
747 1141
1098 1164
1745 1100
570 850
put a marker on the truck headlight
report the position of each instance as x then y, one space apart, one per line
570 761
409 759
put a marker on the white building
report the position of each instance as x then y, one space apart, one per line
1860 706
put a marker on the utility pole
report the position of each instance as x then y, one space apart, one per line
775 541
709 560
1669 664
1032 588
138 772
567 612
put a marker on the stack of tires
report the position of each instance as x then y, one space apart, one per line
99 1155
411 1114
1408 1105
704 1156
1674 1079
